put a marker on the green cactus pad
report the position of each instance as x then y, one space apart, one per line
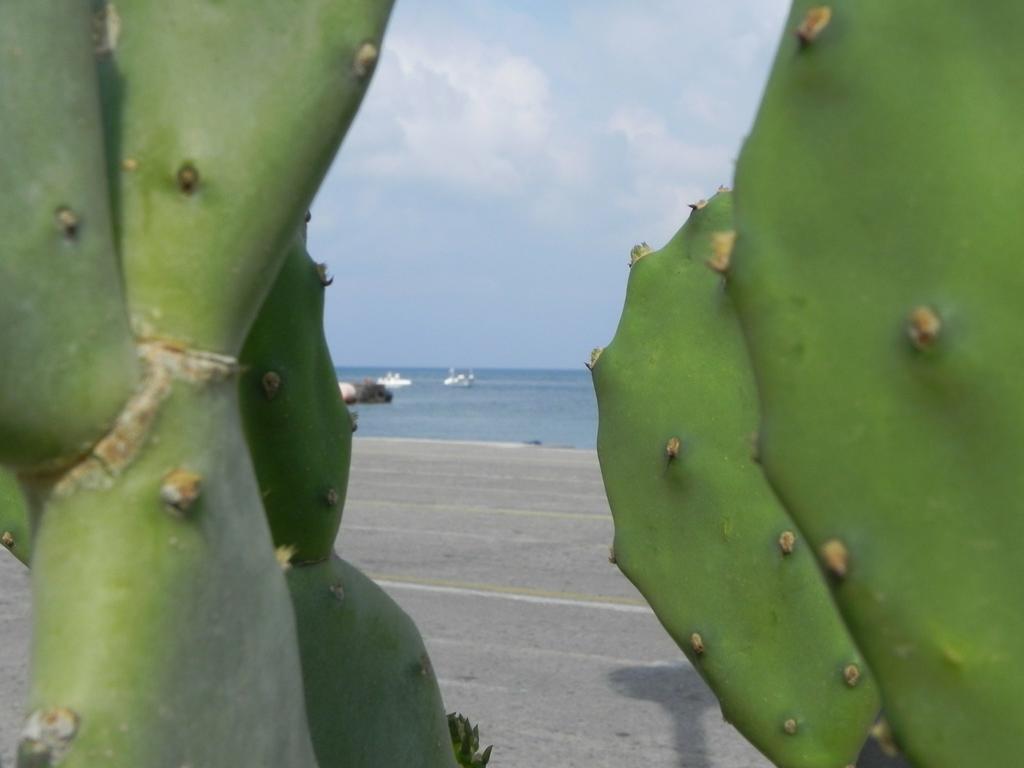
298 429
68 358
223 118
697 528
879 286
14 525
371 693
163 634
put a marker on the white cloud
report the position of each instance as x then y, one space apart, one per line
543 119
460 113
697 39
511 150
665 171
653 149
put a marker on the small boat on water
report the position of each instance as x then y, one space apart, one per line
458 379
393 380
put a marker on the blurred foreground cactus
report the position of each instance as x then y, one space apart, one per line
877 280
158 159
872 268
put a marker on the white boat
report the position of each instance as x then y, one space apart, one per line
458 379
393 380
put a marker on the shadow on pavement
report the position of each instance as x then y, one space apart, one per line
678 689
682 694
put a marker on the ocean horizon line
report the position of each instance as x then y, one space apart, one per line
399 368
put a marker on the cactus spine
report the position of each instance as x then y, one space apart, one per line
878 286
698 529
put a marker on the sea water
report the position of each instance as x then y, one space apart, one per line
549 407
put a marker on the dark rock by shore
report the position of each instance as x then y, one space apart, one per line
369 391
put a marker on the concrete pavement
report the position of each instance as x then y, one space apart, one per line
15 615
500 554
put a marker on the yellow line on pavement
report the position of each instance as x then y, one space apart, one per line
577 597
478 510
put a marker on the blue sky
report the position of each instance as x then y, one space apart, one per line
508 156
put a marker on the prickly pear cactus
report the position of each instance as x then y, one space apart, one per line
67 372
298 427
185 604
145 215
697 527
192 188
14 527
353 638
878 282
